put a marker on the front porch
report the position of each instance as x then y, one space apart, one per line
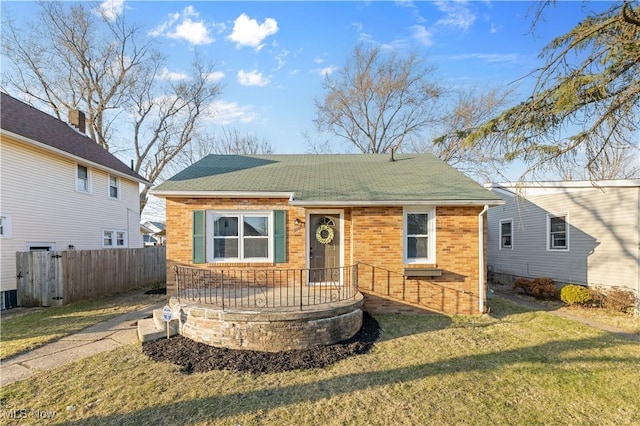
266 289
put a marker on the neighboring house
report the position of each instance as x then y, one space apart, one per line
59 190
414 218
153 233
577 232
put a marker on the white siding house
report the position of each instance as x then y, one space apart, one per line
573 232
59 190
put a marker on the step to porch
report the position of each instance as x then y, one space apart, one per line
155 328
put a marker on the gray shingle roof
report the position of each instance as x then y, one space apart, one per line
29 122
325 178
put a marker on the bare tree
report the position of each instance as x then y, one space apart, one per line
378 99
587 109
71 57
470 108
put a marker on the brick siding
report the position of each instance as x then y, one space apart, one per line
372 235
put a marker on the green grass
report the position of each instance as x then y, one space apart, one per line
516 367
31 328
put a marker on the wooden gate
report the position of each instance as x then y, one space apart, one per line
39 278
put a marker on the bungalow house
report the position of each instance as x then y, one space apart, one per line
578 232
411 224
59 190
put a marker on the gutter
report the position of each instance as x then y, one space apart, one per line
481 270
164 193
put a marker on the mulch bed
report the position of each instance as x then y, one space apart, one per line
196 357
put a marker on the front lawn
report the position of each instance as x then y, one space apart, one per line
516 367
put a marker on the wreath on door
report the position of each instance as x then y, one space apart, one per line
324 234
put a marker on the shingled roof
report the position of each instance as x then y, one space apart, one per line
41 128
337 179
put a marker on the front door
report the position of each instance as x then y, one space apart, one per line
324 248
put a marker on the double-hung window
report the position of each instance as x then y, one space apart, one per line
235 236
114 239
419 235
114 187
557 233
506 234
82 178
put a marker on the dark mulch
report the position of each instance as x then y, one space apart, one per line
196 357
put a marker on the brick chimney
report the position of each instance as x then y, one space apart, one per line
77 119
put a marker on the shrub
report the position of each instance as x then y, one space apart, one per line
544 288
619 300
540 288
522 284
571 294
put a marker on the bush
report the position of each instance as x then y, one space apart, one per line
619 300
540 288
572 294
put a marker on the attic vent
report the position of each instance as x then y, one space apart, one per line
77 119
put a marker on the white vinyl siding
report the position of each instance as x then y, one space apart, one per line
602 236
35 204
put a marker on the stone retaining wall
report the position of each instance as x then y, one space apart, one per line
270 331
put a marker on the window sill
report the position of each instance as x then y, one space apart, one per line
422 272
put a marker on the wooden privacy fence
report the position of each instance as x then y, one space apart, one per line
53 278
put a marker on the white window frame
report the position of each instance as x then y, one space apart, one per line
500 245
117 187
88 180
431 235
114 238
31 245
6 225
549 239
211 215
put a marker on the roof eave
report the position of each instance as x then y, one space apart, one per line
319 203
160 193
358 203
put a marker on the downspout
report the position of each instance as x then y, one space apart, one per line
481 270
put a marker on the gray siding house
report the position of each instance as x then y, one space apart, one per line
578 232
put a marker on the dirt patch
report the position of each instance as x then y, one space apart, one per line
196 357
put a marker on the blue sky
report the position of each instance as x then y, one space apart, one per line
271 57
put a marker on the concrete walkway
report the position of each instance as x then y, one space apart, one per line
532 304
105 336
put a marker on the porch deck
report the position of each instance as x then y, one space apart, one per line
262 290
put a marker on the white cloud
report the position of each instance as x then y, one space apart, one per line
247 31
457 14
194 32
165 74
327 70
215 76
422 34
252 78
225 113
111 9
180 25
